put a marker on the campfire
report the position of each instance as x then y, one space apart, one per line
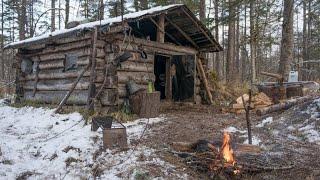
227 157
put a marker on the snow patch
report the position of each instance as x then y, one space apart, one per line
268 120
232 129
60 146
255 141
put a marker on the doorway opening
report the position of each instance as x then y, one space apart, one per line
175 77
160 64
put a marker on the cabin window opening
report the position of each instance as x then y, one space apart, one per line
160 74
26 65
70 62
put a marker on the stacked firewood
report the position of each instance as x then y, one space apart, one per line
261 100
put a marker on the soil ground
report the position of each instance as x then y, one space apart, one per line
189 125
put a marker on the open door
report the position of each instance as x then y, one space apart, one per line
175 77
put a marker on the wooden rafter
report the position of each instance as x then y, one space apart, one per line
203 31
182 32
169 35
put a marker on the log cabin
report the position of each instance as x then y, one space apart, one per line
90 63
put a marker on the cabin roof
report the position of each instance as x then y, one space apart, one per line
182 24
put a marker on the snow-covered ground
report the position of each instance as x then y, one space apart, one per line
39 144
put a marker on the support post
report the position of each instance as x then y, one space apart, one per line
161 28
168 79
91 91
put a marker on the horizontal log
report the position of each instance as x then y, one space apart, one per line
122 91
61 55
67 47
64 40
58 66
283 105
77 97
138 77
62 75
58 87
162 47
130 66
136 57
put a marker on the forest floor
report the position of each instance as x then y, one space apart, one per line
35 143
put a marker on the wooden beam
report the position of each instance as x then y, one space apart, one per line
156 45
160 28
203 31
204 79
182 32
162 31
91 91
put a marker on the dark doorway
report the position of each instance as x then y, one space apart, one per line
160 74
183 78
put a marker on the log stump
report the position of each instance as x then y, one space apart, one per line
145 105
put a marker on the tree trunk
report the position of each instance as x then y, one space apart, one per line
136 5
101 10
144 4
286 53
237 47
253 40
202 10
230 69
67 12
2 40
53 15
216 23
243 47
22 20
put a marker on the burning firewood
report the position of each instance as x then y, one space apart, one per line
226 157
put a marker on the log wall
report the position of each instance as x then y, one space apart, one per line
52 83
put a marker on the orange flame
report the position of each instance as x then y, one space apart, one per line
226 150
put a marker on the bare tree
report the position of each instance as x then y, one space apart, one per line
202 10
253 40
286 52
67 9
101 10
21 9
216 29
53 15
230 66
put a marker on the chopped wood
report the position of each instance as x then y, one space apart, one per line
260 100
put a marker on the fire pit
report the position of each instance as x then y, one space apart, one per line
227 158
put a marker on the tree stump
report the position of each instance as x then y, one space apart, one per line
145 105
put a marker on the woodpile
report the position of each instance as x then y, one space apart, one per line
261 100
